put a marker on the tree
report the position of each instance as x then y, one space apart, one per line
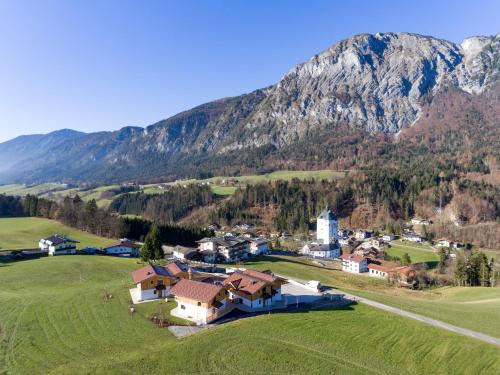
406 260
152 245
460 271
442 260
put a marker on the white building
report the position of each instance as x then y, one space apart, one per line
259 246
361 234
198 301
327 228
183 253
412 237
58 245
321 250
124 248
354 263
388 237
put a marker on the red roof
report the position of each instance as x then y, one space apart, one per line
124 244
352 258
197 290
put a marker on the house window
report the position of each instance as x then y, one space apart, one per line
199 303
160 282
183 307
152 282
260 302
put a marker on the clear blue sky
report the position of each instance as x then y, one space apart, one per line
104 64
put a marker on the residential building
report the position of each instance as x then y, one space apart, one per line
412 236
184 253
419 221
445 242
199 302
388 237
229 248
153 281
315 250
362 234
354 263
253 289
403 275
259 246
371 244
123 248
58 245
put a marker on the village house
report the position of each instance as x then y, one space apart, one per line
254 289
184 253
412 236
123 248
230 248
58 245
403 275
259 246
371 244
445 242
419 221
153 281
388 237
362 234
199 302
354 263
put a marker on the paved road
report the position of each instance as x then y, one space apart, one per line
424 319
421 318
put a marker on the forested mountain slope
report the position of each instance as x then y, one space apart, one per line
353 97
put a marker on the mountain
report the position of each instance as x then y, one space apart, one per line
27 147
368 86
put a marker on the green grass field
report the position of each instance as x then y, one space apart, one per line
417 253
17 189
53 320
474 308
25 232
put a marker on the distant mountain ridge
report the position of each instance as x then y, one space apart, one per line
374 84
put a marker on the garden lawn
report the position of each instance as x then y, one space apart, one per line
54 320
25 232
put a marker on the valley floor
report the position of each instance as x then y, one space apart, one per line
53 320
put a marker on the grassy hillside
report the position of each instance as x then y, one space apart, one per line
418 253
474 308
24 233
17 189
58 323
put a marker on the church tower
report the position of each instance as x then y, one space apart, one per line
327 227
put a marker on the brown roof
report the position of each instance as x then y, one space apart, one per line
171 270
174 268
352 258
123 243
250 281
149 271
197 290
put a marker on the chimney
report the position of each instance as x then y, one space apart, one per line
190 273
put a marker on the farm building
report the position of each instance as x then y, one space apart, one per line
58 245
124 248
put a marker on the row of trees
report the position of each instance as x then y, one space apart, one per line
87 216
477 270
167 207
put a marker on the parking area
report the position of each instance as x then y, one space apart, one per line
294 292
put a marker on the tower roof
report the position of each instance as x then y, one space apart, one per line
327 214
